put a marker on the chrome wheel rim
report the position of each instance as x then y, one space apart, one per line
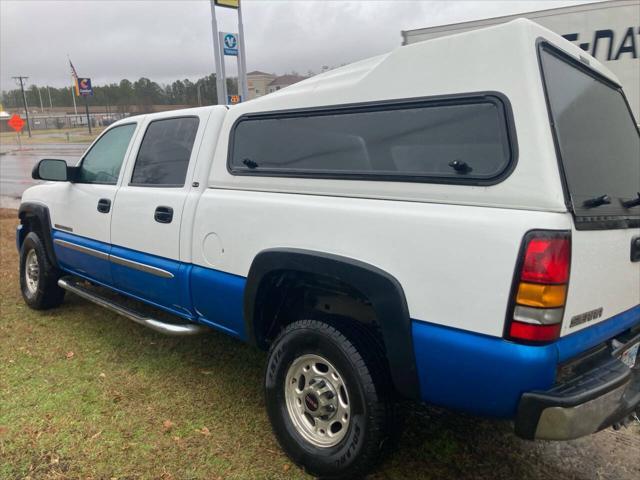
317 400
32 272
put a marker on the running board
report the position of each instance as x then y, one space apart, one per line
175 329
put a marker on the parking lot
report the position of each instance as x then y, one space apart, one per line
16 163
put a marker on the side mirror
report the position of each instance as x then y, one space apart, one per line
51 170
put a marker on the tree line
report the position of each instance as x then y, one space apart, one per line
123 95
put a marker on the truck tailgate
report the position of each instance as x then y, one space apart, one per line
604 281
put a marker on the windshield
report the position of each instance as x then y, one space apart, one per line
597 137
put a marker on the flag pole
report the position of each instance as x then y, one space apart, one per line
73 85
73 96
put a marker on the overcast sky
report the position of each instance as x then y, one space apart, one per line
166 40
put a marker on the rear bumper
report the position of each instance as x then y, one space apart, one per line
597 399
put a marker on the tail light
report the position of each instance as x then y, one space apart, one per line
540 287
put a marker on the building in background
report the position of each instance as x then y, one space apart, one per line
257 83
610 31
261 83
283 81
4 118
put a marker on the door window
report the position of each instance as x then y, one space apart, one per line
102 162
164 154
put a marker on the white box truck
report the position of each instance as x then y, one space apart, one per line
609 31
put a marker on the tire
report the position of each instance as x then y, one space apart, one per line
312 439
38 277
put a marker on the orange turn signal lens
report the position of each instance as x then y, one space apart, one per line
541 296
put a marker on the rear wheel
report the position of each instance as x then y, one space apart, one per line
328 399
38 277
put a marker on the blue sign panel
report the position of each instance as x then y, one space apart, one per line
84 87
230 44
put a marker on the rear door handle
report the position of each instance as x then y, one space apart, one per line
104 205
163 214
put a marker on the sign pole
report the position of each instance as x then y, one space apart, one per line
242 61
240 74
86 109
223 71
220 80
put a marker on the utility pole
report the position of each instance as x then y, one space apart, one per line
22 79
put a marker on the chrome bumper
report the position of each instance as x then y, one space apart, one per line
605 396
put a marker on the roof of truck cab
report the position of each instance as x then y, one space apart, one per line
183 112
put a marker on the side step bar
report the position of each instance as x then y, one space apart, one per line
175 329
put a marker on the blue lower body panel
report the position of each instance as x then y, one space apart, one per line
74 261
477 373
199 294
487 375
160 290
218 299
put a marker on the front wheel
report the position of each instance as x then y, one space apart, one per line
327 399
38 277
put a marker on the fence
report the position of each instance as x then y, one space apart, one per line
62 122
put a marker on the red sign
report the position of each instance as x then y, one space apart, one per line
16 122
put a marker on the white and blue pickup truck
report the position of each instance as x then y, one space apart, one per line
455 222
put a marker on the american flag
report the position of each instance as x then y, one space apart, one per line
74 74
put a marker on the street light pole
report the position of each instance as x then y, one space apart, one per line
50 102
22 79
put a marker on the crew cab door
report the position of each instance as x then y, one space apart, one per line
81 213
147 218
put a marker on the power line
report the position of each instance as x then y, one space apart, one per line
22 79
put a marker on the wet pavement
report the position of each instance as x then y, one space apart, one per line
16 164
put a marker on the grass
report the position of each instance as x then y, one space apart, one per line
87 394
39 137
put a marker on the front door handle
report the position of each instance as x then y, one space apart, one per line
104 205
163 214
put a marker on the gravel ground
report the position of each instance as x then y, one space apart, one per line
487 449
